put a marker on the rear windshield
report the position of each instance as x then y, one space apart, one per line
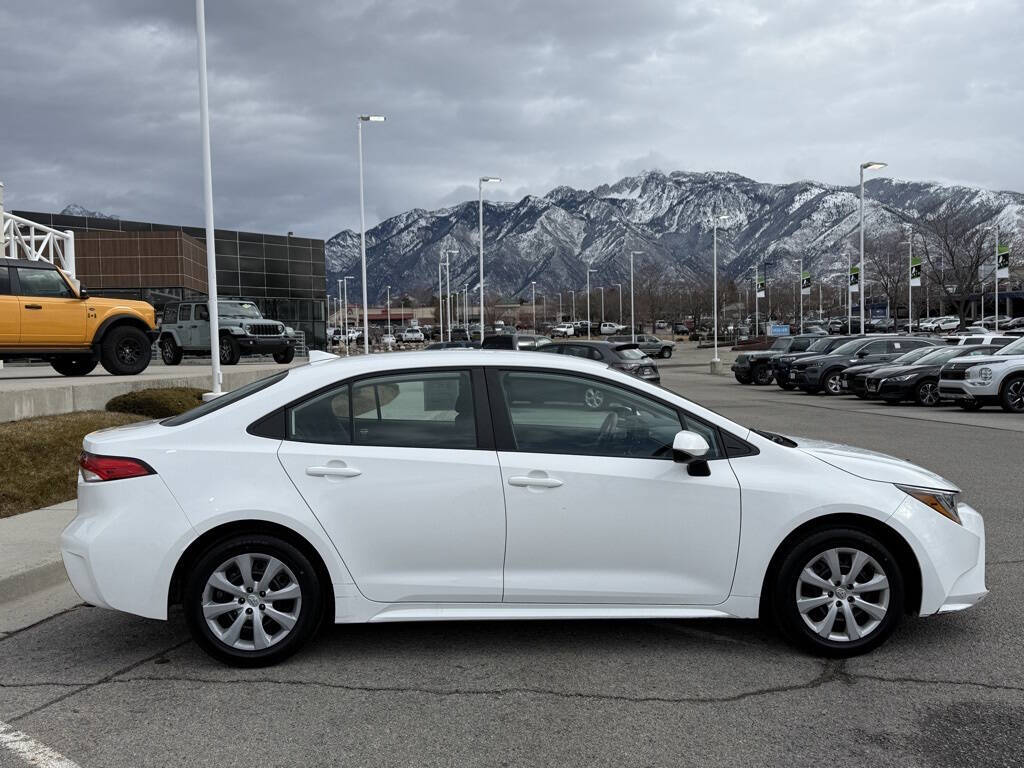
821 345
781 344
849 347
631 354
224 400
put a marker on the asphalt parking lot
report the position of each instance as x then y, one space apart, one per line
106 689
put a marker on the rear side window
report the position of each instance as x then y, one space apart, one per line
799 345
326 418
224 400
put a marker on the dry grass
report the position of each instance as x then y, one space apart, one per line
38 457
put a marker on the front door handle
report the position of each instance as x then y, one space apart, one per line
528 481
332 472
33 306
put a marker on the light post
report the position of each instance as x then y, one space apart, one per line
601 289
448 288
533 285
589 271
632 313
619 286
344 281
480 187
465 308
800 285
389 318
543 308
995 276
871 165
572 295
362 226
715 362
559 307
211 258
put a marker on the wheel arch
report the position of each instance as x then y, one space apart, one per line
889 536
212 537
116 321
170 334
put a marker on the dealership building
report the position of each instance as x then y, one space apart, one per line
161 263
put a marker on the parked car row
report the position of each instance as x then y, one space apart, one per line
972 371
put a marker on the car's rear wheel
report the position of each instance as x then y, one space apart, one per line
762 375
230 352
742 379
927 393
1011 398
786 385
284 356
666 353
74 365
125 351
832 383
839 592
252 601
170 352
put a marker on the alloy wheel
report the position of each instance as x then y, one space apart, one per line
251 601
128 351
833 384
1015 395
842 594
928 393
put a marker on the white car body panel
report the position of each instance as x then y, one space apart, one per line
122 547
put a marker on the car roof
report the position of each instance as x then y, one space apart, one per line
30 264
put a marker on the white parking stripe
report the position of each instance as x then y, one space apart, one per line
30 750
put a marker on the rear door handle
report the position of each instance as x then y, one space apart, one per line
333 472
527 481
33 306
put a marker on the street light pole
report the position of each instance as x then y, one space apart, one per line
533 285
480 188
589 271
211 258
871 165
632 312
572 295
715 362
389 317
448 287
619 286
344 282
362 226
601 289
800 285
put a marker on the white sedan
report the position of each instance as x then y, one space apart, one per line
503 485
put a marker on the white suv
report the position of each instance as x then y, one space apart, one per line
564 329
944 323
978 381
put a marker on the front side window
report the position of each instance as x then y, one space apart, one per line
202 312
185 313
1017 348
43 283
563 413
418 410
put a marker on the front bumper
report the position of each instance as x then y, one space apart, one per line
968 389
806 377
855 385
265 344
890 390
121 548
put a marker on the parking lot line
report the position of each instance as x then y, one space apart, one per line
31 751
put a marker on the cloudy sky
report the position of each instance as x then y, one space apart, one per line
100 99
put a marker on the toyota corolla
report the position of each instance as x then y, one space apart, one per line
503 485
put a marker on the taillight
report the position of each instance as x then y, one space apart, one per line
97 469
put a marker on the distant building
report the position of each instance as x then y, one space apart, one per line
159 263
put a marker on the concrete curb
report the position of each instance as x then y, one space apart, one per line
30 560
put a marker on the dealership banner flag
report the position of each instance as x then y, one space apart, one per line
854 279
1002 262
915 272
760 286
805 283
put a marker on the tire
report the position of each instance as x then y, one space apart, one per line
170 352
742 379
927 393
665 354
862 395
229 350
762 375
1011 395
788 386
74 365
125 351
285 356
969 405
214 634
802 576
831 382
811 390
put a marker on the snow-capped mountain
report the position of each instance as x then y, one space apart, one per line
554 239
77 210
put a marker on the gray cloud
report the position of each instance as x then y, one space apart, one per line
100 99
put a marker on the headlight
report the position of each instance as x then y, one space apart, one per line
904 377
247 327
984 373
289 330
816 364
236 330
943 502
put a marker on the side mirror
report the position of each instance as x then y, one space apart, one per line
83 294
862 353
689 446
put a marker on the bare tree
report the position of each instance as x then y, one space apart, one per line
886 260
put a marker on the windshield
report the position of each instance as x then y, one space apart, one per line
1017 348
781 344
936 356
631 354
821 345
914 355
849 347
237 309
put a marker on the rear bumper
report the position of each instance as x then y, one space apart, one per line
121 548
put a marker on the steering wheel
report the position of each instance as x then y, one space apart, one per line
611 421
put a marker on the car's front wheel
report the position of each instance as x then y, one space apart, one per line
284 356
125 351
832 383
742 379
230 352
927 393
1011 397
170 352
252 601
839 592
762 375
666 353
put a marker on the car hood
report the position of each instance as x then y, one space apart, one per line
853 370
791 356
898 370
871 465
985 359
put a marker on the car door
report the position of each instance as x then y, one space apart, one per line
10 311
184 326
200 326
51 314
877 351
401 471
597 511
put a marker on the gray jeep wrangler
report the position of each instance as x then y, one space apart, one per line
185 330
